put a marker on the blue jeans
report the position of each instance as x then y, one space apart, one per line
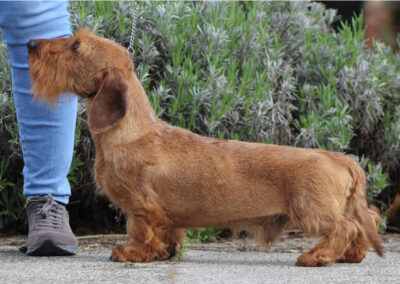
46 133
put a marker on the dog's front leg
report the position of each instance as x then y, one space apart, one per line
144 245
151 237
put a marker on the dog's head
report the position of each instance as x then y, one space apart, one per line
86 65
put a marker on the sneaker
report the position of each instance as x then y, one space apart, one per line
49 230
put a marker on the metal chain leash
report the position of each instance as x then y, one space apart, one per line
131 50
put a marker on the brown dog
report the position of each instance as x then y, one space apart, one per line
166 179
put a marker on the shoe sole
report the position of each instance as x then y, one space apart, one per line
49 248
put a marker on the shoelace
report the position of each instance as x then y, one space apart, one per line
48 214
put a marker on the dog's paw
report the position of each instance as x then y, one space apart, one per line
117 255
128 253
353 256
304 260
308 259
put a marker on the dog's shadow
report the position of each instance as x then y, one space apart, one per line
216 258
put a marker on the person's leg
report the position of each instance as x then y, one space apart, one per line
46 132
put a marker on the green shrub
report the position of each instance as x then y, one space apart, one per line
12 202
272 72
202 235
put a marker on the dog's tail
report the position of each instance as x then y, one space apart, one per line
366 219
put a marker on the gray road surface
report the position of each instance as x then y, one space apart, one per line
91 265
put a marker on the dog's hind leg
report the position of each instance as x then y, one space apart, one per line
266 229
357 251
315 218
333 248
270 229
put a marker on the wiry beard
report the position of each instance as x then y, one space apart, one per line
47 79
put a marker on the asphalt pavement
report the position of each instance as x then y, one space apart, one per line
197 265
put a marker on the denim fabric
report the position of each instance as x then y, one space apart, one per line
46 132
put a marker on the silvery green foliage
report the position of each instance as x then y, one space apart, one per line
9 137
376 178
11 201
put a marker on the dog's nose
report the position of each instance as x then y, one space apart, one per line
32 44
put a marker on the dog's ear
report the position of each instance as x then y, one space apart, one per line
110 103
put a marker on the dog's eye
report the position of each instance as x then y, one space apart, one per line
75 46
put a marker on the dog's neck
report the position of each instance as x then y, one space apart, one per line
140 118
138 103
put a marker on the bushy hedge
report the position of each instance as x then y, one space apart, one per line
273 72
